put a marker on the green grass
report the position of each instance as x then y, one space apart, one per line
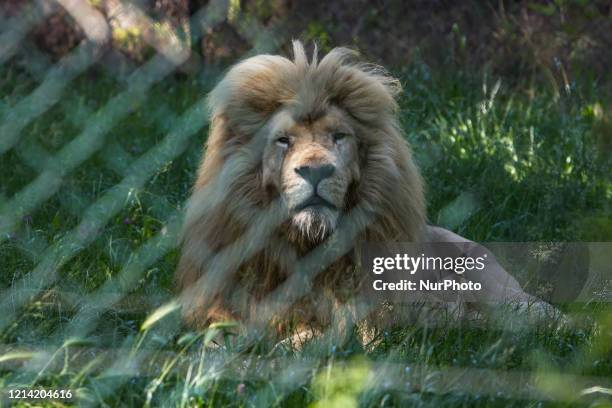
506 165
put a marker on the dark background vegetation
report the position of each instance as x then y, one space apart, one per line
559 39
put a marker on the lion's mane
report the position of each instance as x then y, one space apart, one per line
230 241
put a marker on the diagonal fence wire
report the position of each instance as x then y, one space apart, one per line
386 375
103 210
81 148
15 29
59 254
97 215
54 257
58 77
128 361
47 94
114 289
93 136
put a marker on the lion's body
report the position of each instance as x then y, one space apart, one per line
301 157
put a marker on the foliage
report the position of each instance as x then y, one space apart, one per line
501 163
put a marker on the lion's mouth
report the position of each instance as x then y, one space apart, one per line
315 201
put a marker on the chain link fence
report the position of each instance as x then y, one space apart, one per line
52 170
68 352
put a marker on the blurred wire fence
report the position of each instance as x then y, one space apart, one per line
52 168
147 354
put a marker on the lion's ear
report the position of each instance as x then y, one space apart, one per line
252 91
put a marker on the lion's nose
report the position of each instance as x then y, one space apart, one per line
314 174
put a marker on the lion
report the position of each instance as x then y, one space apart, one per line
302 158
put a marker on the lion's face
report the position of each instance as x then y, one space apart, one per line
311 163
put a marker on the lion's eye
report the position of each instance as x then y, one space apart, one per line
338 136
283 141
